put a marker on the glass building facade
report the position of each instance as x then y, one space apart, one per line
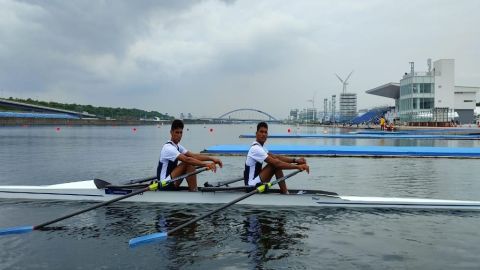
417 93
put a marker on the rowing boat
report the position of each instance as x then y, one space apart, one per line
90 190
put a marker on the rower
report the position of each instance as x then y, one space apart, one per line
254 174
172 152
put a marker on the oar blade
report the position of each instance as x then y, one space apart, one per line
147 239
16 230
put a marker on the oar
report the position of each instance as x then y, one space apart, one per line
214 189
140 180
157 236
151 187
222 183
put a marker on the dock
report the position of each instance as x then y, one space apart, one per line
351 151
385 135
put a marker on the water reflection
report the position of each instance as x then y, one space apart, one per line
240 237
268 237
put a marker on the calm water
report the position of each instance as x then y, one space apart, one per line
241 237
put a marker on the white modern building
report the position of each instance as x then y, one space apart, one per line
431 97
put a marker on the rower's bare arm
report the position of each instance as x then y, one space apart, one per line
289 159
301 160
282 158
195 162
278 163
205 158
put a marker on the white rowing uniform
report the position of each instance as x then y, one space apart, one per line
253 164
169 159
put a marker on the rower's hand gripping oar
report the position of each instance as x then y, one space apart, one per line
152 187
157 236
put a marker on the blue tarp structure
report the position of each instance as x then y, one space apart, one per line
371 116
352 151
38 115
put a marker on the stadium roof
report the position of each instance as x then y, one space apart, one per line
389 90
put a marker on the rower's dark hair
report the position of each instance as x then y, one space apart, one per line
262 124
176 124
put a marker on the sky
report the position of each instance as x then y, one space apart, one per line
210 57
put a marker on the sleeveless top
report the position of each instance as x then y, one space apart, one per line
253 164
169 159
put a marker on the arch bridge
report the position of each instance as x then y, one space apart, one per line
228 115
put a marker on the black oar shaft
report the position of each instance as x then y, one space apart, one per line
223 183
140 180
136 192
230 203
91 208
211 213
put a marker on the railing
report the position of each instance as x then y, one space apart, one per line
418 74
437 115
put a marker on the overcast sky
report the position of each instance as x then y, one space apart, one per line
210 57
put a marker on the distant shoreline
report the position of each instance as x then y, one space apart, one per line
17 121
75 122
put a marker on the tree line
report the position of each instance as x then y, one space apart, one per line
101 112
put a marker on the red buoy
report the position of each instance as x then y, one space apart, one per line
211 129
289 130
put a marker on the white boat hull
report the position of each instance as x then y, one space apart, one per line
87 191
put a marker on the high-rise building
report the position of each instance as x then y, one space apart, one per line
325 110
294 114
333 117
311 115
348 106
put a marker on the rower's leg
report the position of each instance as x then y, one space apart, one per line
192 179
179 170
282 185
267 173
184 168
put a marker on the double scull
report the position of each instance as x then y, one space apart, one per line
98 190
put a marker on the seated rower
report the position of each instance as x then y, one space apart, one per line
254 174
172 152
